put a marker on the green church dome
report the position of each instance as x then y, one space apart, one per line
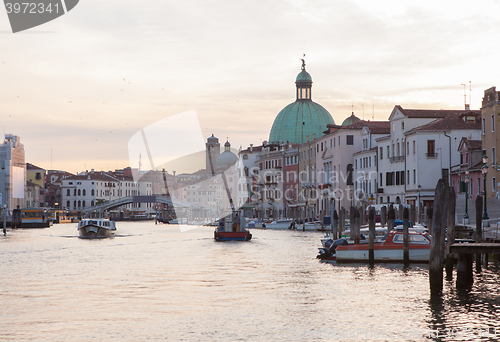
301 118
298 120
350 120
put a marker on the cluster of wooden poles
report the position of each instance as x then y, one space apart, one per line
442 255
440 224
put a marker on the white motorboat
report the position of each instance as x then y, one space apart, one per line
280 224
96 228
310 226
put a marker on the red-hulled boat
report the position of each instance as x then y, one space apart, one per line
389 250
232 228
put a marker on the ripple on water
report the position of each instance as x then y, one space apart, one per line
156 282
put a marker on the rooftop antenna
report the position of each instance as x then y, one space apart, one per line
140 161
373 113
470 92
465 96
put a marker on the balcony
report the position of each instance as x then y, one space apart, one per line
397 159
431 155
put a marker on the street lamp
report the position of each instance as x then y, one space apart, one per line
484 170
466 216
419 189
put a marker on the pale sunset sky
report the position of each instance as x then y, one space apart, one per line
78 88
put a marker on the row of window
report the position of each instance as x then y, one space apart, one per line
349 141
492 124
270 164
78 204
365 162
80 192
396 149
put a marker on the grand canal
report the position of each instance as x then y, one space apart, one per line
156 282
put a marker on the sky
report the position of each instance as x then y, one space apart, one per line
78 88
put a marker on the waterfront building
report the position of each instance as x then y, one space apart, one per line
471 159
53 193
32 194
420 150
248 189
12 173
490 137
270 181
291 181
36 175
307 202
344 163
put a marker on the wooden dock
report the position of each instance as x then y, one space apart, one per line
475 248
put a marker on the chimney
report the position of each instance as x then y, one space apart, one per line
314 136
251 147
307 138
467 107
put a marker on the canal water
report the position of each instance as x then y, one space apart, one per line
175 283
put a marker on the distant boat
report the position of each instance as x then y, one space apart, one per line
30 218
232 228
280 224
96 228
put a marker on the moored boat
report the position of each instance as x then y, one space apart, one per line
389 250
280 224
96 228
30 218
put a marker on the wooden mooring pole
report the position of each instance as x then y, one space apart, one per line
391 217
335 225
357 224
351 222
406 246
341 222
479 232
371 237
451 232
383 216
436 257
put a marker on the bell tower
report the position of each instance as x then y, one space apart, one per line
212 151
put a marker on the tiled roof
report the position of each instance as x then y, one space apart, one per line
451 122
475 144
92 176
379 127
31 167
431 113
376 127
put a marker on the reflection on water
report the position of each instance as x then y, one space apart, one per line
155 282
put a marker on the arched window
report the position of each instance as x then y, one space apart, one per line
84 192
92 193
92 202
79 204
83 204
79 192
68 192
68 203
74 192
74 204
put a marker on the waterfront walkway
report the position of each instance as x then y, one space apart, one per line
493 209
